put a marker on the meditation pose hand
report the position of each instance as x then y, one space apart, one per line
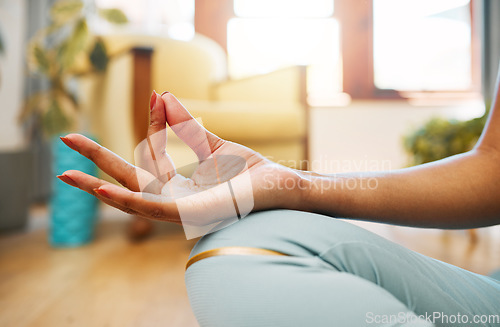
230 181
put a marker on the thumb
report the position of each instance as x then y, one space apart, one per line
157 117
150 153
188 129
157 133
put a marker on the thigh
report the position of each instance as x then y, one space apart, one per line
423 285
239 291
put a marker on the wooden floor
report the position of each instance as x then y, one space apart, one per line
110 282
114 283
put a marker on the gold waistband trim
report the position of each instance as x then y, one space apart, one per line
231 250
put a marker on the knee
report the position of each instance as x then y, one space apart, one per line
291 232
257 290
228 290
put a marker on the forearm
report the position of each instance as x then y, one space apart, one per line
459 192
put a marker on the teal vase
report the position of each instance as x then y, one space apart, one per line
73 212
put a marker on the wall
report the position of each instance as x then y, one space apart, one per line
367 135
12 27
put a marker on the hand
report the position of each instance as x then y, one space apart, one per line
229 175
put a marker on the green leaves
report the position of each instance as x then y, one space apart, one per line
64 51
99 56
113 15
38 58
41 58
66 10
71 47
440 138
56 108
37 103
54 121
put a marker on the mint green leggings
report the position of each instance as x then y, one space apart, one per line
337 274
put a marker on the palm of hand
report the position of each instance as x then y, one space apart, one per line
155 191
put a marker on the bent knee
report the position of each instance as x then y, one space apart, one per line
292 232
281 291
257 290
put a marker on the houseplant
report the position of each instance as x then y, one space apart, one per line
440 138
61 53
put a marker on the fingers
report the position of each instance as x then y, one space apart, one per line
148 205
201 141
88 183
126 174
158 122
150 154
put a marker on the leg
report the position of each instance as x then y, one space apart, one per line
356 264
236 291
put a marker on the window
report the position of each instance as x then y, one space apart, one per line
422 45
283 8
267 35
368 48
409 48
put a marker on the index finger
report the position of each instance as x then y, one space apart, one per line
125 173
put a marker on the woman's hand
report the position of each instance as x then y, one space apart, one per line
230 181
462 191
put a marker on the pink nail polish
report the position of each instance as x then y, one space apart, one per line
152 101
67 180
102 193
68 142
164 93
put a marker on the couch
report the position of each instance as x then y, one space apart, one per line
267 112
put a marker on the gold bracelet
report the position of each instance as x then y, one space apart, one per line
231 250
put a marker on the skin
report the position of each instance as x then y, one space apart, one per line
462 191
459 192
133 199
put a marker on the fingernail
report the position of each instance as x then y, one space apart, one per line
102 192
67 180
67 142
164 93
158 99
152 101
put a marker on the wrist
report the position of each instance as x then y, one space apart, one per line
283 191
300 196
317 193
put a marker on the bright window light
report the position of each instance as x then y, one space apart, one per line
172 17
422 45
263 45
283 8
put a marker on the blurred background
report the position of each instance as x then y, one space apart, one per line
326 85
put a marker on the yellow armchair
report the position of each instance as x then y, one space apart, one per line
266 112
